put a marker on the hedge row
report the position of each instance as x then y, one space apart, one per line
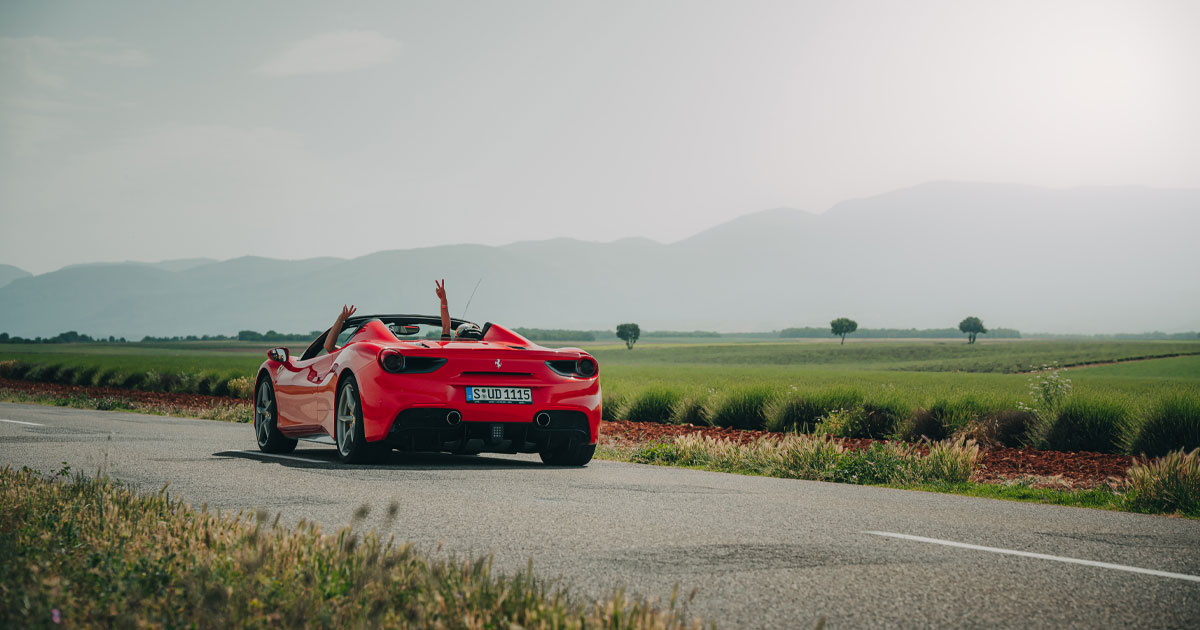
210 384
1080 423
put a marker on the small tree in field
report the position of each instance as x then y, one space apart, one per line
843 326
972 326
628 333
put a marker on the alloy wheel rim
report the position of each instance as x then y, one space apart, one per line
347 409
263 407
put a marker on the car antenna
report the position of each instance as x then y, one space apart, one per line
464 316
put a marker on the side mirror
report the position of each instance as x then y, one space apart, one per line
279 355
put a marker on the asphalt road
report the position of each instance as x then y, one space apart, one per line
761 553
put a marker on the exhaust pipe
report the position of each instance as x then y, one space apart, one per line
542 419
453 418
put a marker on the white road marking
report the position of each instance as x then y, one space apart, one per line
299 459
32 424
1042 556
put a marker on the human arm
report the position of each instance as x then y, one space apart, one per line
441 293
331 337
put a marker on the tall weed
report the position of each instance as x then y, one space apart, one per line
1168 484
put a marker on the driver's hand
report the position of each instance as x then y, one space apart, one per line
441 289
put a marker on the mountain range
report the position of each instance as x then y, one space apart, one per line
1082 260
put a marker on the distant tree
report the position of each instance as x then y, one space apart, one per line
629 333
843 326
3 337
249 335
972 326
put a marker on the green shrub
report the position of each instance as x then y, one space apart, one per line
111 378
1009 427
1088 424
42 373
741 408
878 463
1165 485
85 376
651 405
883 415
845 423
611 404
219 386
243 387
802 412
921 425
1173 423
957 413
13 369
66 375
690 409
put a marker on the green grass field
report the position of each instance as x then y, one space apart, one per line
918 371
970 381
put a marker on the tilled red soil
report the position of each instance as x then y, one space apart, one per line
999 464
1043 468
183 401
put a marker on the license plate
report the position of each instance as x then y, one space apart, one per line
503 395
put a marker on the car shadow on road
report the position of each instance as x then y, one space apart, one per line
327 459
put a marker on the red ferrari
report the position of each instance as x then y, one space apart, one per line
388 387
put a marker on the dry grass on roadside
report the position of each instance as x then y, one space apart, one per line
816 458
88 552
233 411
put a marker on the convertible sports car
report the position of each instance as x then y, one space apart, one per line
386 387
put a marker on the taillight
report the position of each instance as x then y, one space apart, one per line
583 368
391 360
586 367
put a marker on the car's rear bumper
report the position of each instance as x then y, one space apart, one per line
427 429
388 397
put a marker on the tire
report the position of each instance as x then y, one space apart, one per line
580 455
352 445
266 416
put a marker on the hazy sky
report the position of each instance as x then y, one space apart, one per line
165 130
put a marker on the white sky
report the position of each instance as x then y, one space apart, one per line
160 130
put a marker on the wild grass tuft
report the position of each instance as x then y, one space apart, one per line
1010 428
690 409
1173 423
817 458
1165 485
800 412
741 408
1088 424
651 405
90 553
611 405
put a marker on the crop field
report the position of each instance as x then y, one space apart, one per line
918 371
783 386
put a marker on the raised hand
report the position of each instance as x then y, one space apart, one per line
441 290
346 312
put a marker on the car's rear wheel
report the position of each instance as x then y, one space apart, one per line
352 444
579 455
266 416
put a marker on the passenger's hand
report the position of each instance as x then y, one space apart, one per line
441 289
346 313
